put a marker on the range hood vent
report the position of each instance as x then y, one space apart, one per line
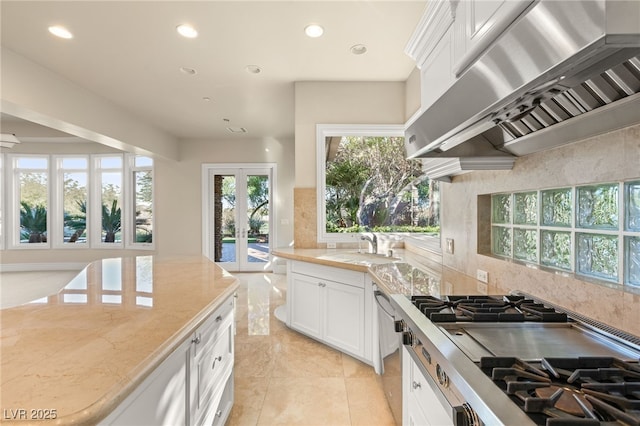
593 89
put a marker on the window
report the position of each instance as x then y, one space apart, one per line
76 201
109 179
31 180
591 230
142 200
365 183
73 193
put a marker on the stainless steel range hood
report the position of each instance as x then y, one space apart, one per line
564 71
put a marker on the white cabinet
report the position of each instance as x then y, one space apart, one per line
211 365
420 403
160 399
436 75
193 385
478 23
431 46
452 35
331 305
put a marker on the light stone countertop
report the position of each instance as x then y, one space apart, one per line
83 350
435 279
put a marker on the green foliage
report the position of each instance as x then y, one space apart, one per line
76 221
111 221
370 184
33 222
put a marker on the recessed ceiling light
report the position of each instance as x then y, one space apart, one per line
358 49
188 71
313 30
60 31
186 30
206 99
237 129
253 69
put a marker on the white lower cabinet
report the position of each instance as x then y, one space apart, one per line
330 305
420 404
193 386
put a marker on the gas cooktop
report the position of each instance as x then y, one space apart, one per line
481 308
570 391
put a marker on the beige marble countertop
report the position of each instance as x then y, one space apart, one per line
436 279
83 350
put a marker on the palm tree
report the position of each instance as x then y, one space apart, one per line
33 221
77 222
111 221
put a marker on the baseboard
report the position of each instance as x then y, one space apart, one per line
33 267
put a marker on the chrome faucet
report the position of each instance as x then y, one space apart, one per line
373 240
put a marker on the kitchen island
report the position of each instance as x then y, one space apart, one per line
75 356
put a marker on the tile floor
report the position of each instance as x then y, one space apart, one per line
285 378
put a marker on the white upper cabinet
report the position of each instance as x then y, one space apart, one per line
478 23
451 35
432 49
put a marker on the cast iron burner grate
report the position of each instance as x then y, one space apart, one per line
570 391
481 308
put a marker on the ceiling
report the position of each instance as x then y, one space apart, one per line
130 53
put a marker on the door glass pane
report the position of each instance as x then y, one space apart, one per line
224 207
258 218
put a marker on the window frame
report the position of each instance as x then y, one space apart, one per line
96 202
374 130
129 220
58 201
13 217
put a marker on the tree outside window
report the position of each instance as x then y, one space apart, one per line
371 186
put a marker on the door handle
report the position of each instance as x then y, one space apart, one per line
218 358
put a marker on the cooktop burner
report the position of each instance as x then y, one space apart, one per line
481 308
570 391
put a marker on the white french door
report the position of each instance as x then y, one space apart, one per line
237 217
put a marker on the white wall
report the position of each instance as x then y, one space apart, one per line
178 189
34 93
340 103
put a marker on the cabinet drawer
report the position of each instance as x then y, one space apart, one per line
211 328
214 362
345 276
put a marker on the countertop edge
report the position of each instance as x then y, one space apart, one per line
313 259
116 394
100 409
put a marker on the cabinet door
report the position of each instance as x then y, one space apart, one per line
305 305
419 400
479 23
160 399
436 75
343 312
